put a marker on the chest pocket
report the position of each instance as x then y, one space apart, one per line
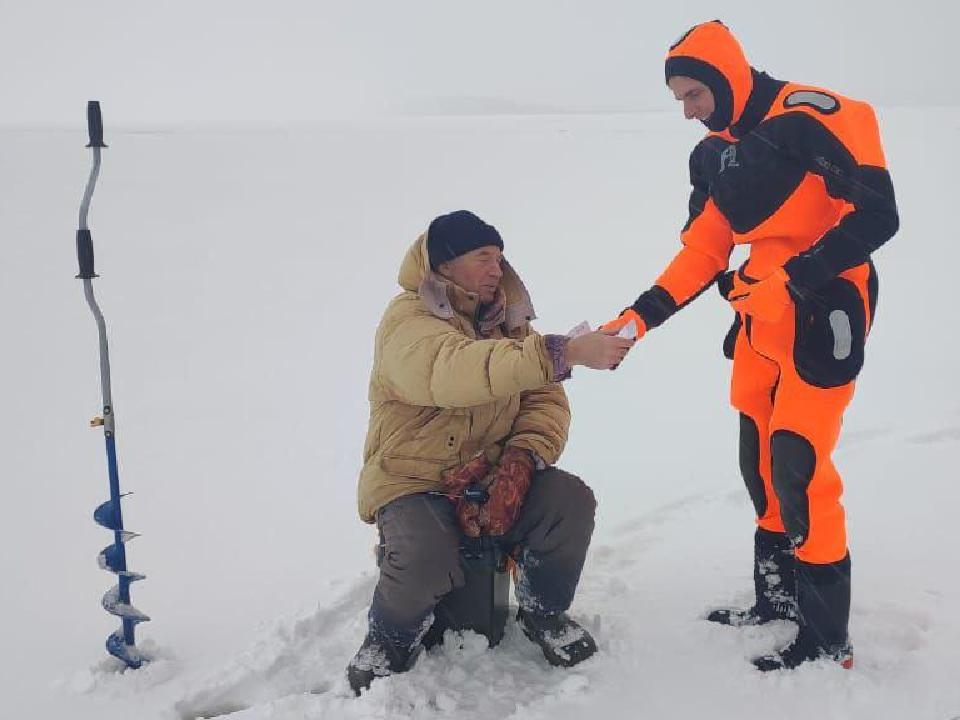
754 177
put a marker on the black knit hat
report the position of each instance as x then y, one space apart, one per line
454 234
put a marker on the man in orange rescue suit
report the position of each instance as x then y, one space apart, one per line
798 173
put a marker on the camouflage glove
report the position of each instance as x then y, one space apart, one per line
511 481
456 480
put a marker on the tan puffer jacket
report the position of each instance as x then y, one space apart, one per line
438 394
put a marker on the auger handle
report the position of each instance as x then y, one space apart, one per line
95 125
85 255
84 239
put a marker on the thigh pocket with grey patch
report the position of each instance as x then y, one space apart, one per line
831 330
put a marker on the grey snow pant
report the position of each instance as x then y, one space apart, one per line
421 559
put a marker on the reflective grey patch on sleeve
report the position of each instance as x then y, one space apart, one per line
812 98
842 334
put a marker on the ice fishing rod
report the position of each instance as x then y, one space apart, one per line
113 558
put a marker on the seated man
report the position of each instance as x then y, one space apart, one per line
462 391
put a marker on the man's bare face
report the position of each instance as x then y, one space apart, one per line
478 271
698 102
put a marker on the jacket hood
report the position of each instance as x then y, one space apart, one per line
442 297
711 54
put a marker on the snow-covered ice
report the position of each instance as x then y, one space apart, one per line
242 276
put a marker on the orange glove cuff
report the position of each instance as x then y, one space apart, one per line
626 317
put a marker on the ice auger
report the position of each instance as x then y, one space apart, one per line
113 558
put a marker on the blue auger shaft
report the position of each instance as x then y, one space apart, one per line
109 514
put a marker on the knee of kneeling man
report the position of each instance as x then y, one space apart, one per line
589 503
587 498
434 570
575 496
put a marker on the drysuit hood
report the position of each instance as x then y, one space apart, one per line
711 54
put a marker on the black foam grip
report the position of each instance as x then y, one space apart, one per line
85 254
95 124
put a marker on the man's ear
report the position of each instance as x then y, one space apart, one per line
444 268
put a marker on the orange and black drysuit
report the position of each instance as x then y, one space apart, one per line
798 173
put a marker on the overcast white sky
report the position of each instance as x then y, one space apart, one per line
292 61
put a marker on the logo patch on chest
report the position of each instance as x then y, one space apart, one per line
728 158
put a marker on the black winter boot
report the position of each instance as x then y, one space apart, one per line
774 582
378 657
823 596
564 641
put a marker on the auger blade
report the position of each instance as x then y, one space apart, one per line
107 561
110 558
108 514
111 603
120 650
